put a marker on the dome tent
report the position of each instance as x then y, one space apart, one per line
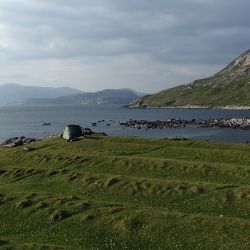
72 132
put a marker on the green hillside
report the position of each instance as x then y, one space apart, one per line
229 87
125 193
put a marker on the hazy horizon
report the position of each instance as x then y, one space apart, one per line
142 45
68 86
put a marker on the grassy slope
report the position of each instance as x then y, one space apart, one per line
231 92
125 193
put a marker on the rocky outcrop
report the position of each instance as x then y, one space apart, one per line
18 141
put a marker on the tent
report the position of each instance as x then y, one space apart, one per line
72 132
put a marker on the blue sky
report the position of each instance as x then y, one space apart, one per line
141 44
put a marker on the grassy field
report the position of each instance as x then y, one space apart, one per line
125 193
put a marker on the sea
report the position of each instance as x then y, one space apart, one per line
27 121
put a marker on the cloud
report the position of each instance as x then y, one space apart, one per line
95 44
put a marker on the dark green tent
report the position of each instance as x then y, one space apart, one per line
72 132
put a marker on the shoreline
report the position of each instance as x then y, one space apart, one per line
232 123
191 107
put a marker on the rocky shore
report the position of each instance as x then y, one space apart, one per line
143 106
18 141
234 123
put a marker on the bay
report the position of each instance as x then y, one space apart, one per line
27 121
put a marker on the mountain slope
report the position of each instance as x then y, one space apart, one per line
107 96
14 93
229 87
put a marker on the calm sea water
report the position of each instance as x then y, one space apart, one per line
26 121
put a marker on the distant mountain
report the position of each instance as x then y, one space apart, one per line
228 88
107 96
16 94
140 94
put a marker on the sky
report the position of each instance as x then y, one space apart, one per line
140 44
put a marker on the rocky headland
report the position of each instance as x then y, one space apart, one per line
227 89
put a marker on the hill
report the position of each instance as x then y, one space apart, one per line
229 87
125 193
15 94
107 96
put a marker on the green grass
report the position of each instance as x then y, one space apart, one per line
210 92
125 193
